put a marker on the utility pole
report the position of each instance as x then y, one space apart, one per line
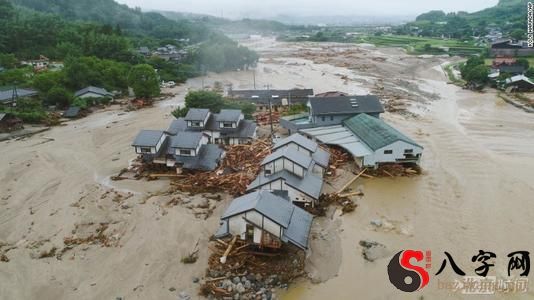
269 96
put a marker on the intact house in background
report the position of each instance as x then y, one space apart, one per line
8 122
93 92
506 65
228 127
294 169
266 220
370 140
191 142
279 99
510 48
327 111
9 96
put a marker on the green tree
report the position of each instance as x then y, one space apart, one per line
59 96
8 61
204 99
523 62
478 74
517 34
144 81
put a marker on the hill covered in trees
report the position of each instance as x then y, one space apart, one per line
510 16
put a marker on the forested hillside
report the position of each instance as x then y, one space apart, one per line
510 16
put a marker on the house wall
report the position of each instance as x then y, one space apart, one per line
397 147
284 164
91 95
318 170
330 119
298 148
294 194
237 225
153 150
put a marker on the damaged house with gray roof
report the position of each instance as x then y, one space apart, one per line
266 220
278 99
295 170
227 127
191 142
328 111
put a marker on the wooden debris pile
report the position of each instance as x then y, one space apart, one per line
240 167
346 204
98 237
264 118
395 170
248 272
338 158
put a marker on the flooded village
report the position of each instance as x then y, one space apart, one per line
148 206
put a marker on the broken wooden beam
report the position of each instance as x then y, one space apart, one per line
351 181
225 255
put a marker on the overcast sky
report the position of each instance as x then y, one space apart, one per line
265 8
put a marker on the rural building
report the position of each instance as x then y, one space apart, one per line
38 64
184 150
291 168
72 112
519 83
144 51
93 92
509 48
266 220
277 98
369 140
10 95
8 122
228 127
328 111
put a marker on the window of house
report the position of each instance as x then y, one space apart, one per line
323 119
267 172
145 149
195 123
388 151
185 152
331 118
227 124
408 151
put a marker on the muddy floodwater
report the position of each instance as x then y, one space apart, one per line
476 191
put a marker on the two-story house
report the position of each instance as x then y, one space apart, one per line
227 127
328 111
292 171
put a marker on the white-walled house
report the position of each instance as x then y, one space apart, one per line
149 142
266 220
307 147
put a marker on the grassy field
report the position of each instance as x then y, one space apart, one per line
420 45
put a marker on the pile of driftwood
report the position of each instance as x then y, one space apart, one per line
240 166
236 267
338 157
394 170
264 118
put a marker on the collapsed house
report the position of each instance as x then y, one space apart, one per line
191 142
278 99
266 220
519 83
295 169
184 150
228 127
370 140
327 111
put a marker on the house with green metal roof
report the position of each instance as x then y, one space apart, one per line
384 143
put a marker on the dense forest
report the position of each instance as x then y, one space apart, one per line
97 40
509 16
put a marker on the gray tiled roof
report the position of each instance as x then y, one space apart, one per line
207 159
276 96
299 228
186 140
197 114
346 105
228 115
176 126
297 139
94 90
7 95
246 129
321 157
374 132
148 138
291 154
310 184
276 208
295 221
72 112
